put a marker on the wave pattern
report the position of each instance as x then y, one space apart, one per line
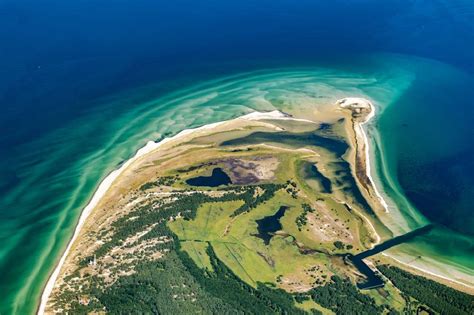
58 173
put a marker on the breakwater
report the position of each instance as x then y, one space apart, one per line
373 279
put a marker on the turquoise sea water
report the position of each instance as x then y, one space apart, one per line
427 145
85 84
93 145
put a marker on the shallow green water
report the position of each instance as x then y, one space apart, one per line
55 187
425 143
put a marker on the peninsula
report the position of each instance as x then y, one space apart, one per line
258 214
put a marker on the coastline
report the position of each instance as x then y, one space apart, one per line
366 142
360 133
433 275
107 182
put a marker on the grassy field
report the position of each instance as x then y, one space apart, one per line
281 262
332 204
246 254
197 252
310 305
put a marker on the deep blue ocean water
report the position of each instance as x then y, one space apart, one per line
78 77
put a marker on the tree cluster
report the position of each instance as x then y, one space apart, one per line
437 296
301 220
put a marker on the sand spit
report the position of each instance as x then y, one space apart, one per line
359 105
273 115
356 104
108 181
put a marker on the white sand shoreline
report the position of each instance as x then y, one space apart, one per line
360 133
363 134
367 158
109 179
107 182
429 272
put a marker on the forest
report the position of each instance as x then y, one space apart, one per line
438 297
174 284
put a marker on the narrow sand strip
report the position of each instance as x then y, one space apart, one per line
360 133
431 273
367 158
108 181
151 146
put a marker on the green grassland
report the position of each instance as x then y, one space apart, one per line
233 237
212 259
234 243
281 262
197 252
249 258
311 306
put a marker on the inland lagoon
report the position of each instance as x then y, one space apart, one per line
217 178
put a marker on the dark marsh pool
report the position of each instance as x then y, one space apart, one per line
217 178
268 225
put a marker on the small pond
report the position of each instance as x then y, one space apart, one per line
268 225
217 178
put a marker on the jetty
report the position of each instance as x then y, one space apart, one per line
373 279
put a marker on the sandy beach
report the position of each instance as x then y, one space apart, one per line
361 131
107 183
109 180
361 135
450 281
